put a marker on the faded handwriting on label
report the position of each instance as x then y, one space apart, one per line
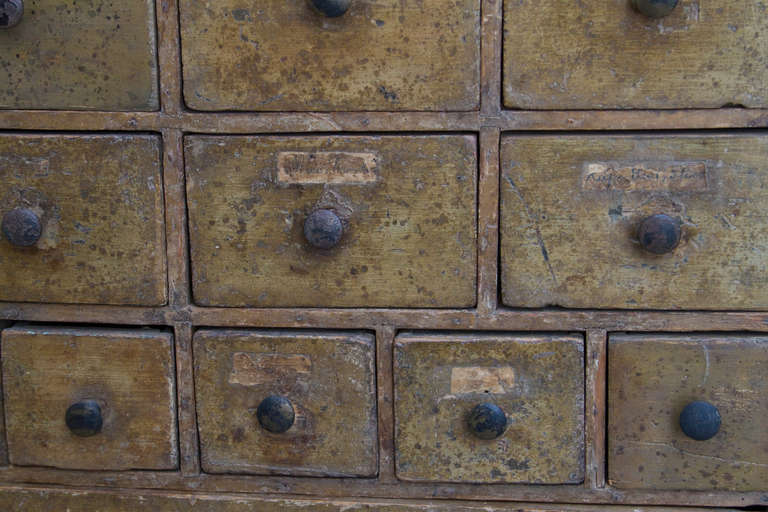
326 167
659 176
250 369
482 379
23 167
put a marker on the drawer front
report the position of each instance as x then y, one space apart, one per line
489 408
592 222
97 55
286 402
284 55
688 412
332 221
600 54
92 399
82 220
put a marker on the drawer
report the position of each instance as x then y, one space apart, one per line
333 221
593 221
82 219
599 54
286 402
389 55
89 398
489 408
96 55
688 412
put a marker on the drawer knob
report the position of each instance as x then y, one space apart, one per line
323 229
22 227
659 234
331 8
275 413
700 420
655 8
487 421
84 418
11 12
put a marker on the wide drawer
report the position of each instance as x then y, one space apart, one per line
284 55
286 402
82 219
89 398
333 221
96 55
688 412
599 54
489 408
638 222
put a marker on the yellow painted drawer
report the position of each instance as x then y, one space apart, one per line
403 215
89 398
286 402
489 408
283 55
688 412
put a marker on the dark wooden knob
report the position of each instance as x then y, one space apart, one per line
84 418
323 229
700 420
487 421
659 234
655 8
11 12
331 8
22 227
276 414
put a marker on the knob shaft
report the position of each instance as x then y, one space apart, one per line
659 234
331 8
700 420
84 418
276 414
11 12
487 421
323 229
655 8
22 227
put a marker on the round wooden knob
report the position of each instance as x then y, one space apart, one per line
84 418
700 420
323 229
659 234
655 8
331 8
11 12
487 421
22 227
275 413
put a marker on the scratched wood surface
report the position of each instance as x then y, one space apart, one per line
652 377
537 380
129 373
328 378
385 55
408 205
571 207
100 201
95 55
599 54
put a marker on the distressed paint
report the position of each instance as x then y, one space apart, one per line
409 239
129 373
332 391
280 55
566 246
544 439
100 198
651 378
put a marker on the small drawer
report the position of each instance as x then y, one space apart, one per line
95 55
354 55
635 222
635 54
489 408
688 412
89 398
333 221
286 402
82 219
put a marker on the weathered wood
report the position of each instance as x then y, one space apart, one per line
538 381
129 373
596 369
488 227
189 441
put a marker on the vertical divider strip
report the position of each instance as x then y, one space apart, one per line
168 56
488 221
175 218
185 400
596 353
490 58
385 336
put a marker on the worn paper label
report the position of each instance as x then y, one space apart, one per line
250 369
482 379
663 176
326 167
